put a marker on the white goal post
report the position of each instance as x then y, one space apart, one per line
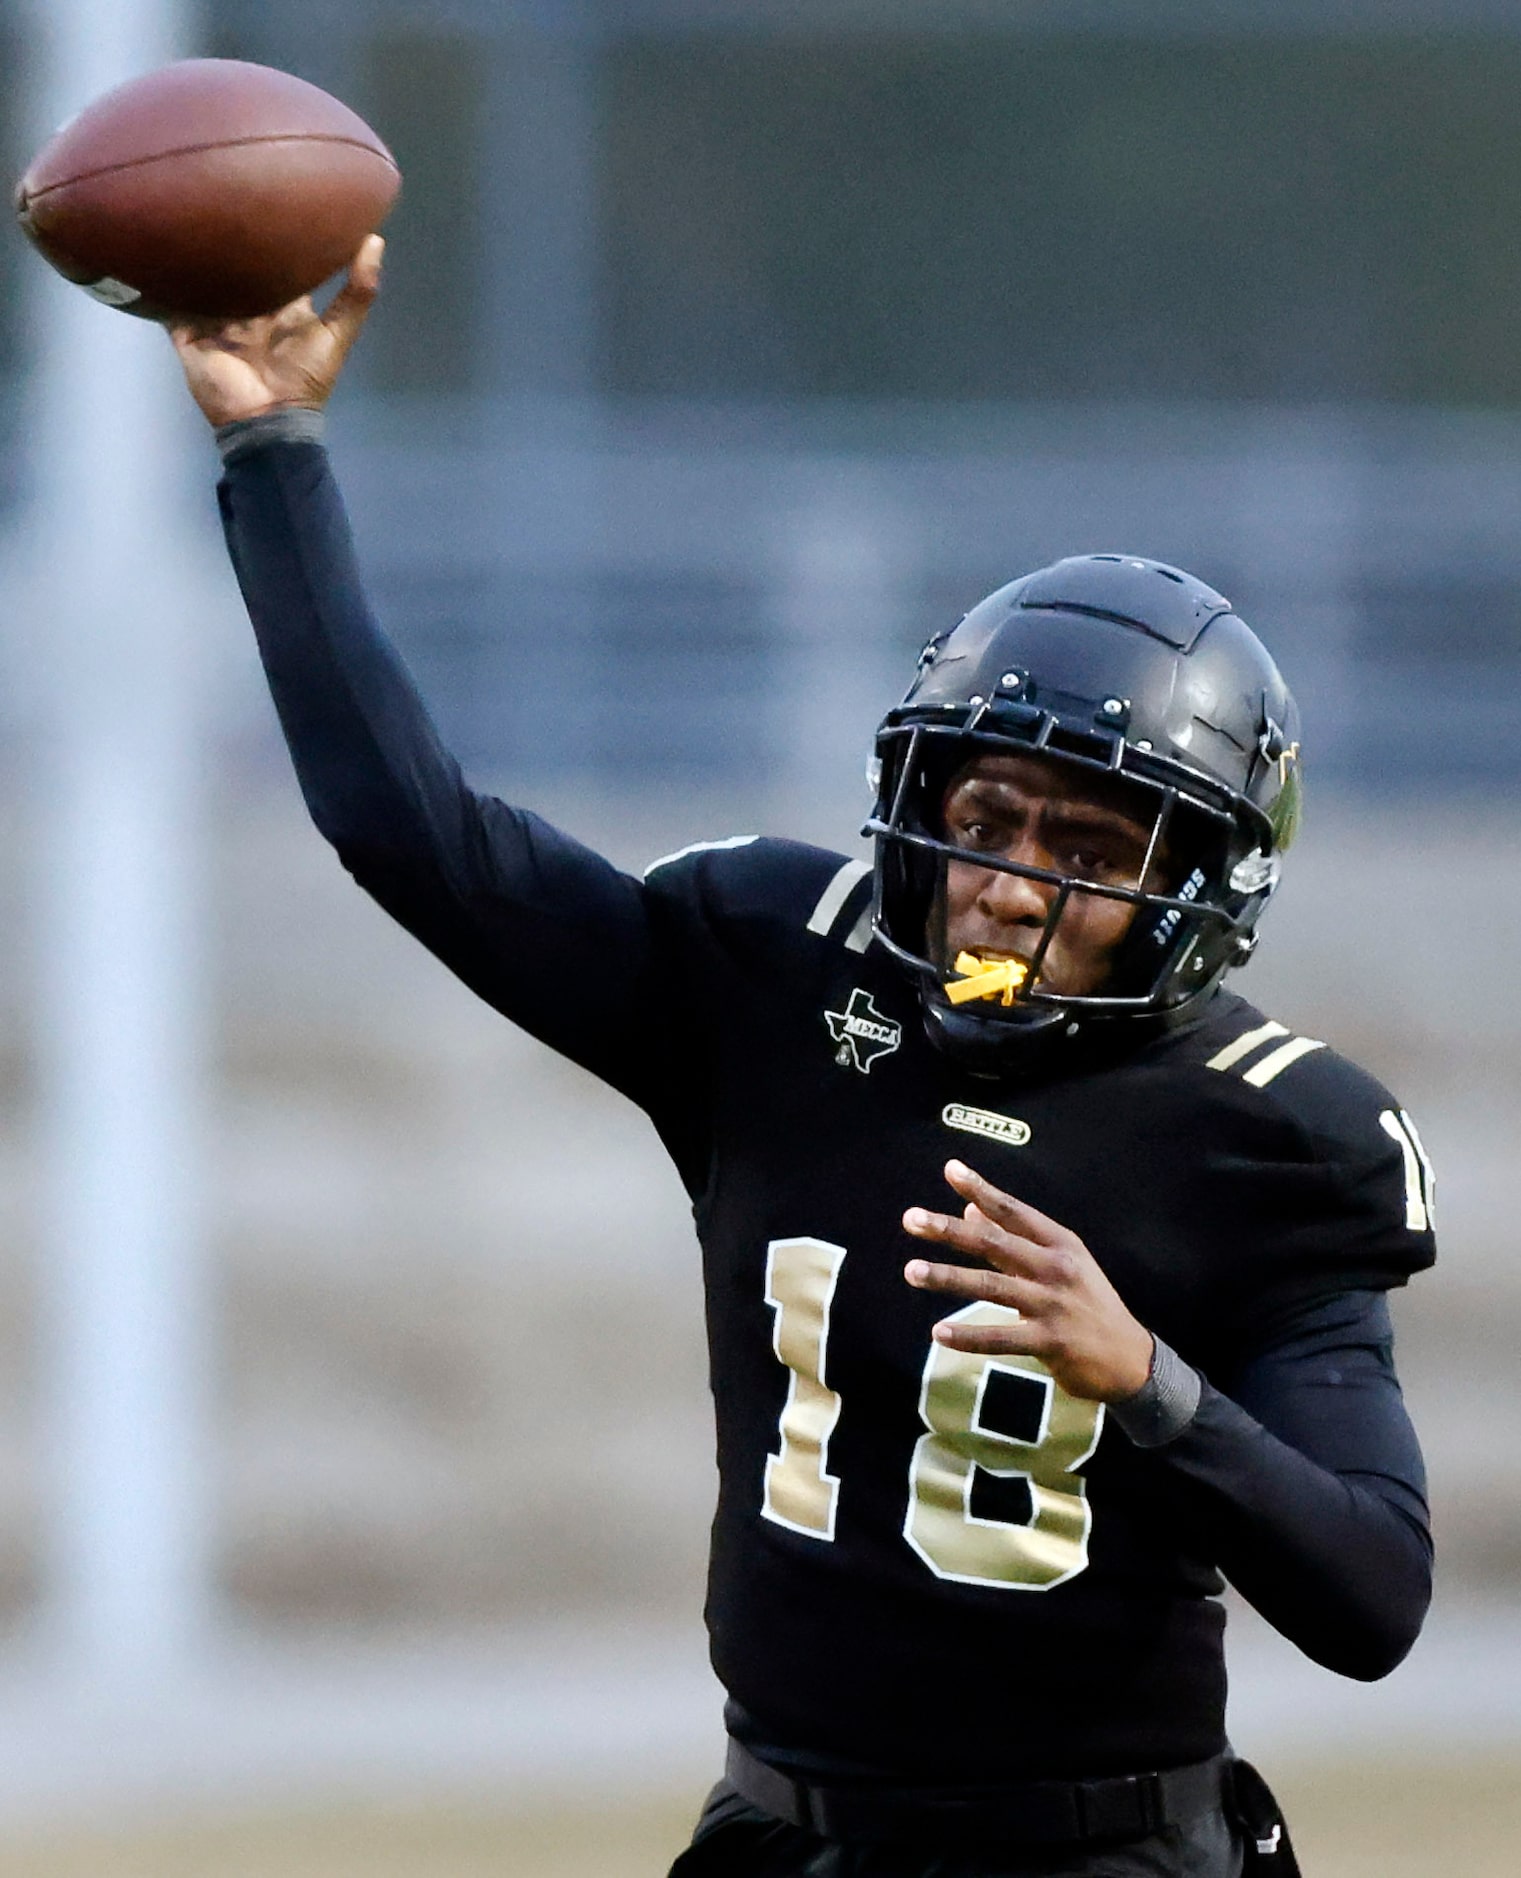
113 760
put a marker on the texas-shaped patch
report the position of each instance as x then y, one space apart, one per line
861 1033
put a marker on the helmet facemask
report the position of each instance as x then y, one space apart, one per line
1188 920
1133 681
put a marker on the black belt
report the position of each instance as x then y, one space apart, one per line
1043 1812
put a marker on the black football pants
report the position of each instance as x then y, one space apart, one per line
736 1840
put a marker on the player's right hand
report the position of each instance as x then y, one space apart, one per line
1066 1311
245 368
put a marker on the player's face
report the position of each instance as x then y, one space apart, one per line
1042 813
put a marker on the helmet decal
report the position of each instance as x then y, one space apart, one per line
1287 811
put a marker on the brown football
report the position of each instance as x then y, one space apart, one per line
210 187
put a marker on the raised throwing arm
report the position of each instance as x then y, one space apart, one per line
545 930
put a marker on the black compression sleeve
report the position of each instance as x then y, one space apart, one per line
542 928
1308 1490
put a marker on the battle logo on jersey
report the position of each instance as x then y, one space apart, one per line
861 1033
1006 1128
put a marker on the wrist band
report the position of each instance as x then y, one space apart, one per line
292 423
1166 1402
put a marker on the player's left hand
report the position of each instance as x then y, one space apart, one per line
1070 1316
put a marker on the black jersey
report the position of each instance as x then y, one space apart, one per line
926 1565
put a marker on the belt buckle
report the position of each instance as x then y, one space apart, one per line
1131 1806
1153 1804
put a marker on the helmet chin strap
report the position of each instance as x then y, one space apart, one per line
1034 1041
983 1048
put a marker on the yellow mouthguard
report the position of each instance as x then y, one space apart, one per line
986 978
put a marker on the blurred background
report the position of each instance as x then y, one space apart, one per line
354 1457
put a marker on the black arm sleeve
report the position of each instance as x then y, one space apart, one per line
1307 1488
546 931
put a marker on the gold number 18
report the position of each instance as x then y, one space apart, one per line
801 1493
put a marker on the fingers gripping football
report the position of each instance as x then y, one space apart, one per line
243 368
1071 1317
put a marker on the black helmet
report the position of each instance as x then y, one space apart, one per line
1127 669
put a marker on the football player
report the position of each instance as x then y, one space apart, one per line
1046 1277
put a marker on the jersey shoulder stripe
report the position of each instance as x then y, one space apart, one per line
860 935
1267 1068
1244 1045
760 889
1349 1117
837 900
